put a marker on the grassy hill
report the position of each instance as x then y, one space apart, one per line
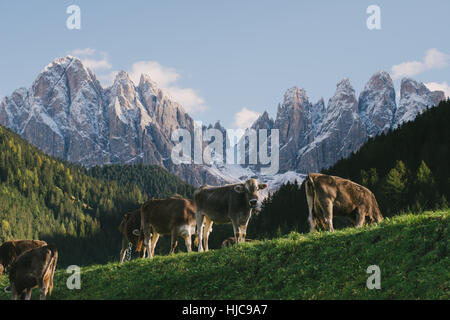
411 251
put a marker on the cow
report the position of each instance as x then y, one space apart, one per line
232 203
130 222
10 250
173 216
33 268
228 242
329 196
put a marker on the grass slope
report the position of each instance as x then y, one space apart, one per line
411 251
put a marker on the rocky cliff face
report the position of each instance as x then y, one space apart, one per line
340 132
313 137
414 99
67 114
377 105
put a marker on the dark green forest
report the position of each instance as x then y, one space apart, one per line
408 169
77 209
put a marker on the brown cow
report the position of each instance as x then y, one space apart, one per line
232 203
13 248
130 222
329 196
174 216
33 268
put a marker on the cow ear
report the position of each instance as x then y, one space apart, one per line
239 188
262 186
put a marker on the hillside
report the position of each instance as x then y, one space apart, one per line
78 210
408 169
411 251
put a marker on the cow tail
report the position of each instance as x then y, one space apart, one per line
51 266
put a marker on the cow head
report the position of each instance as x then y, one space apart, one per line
250 188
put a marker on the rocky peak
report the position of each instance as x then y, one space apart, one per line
344 97
263 122
415 97
377 103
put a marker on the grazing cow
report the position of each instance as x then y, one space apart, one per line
329 196
228 242
130 222
33 268
174 216
233 203
12 249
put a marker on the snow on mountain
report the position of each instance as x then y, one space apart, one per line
377 104
415 97
340 133
68 114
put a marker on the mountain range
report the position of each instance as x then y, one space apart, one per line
68 114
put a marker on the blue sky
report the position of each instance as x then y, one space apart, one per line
219 57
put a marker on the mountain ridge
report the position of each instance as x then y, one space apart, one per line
68 114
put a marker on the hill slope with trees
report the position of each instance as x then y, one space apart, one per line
77 209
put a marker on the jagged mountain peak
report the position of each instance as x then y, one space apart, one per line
379 80
294 97
263 122
344 84
415 97
377 103
343 98
411 86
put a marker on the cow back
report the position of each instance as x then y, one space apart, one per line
166 214
10 250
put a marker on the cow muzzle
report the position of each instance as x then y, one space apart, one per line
253 203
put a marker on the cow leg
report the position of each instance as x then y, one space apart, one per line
242 233
206 231
173 241
28 294
14 293
124 249
188 242
155 239
199 218
143 252
43 292
312 222
147 244
328 212
236 231
43 286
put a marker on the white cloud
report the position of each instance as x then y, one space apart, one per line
188 98
245 118
163 76
83 52
433 86
92 59
166 78
433 59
